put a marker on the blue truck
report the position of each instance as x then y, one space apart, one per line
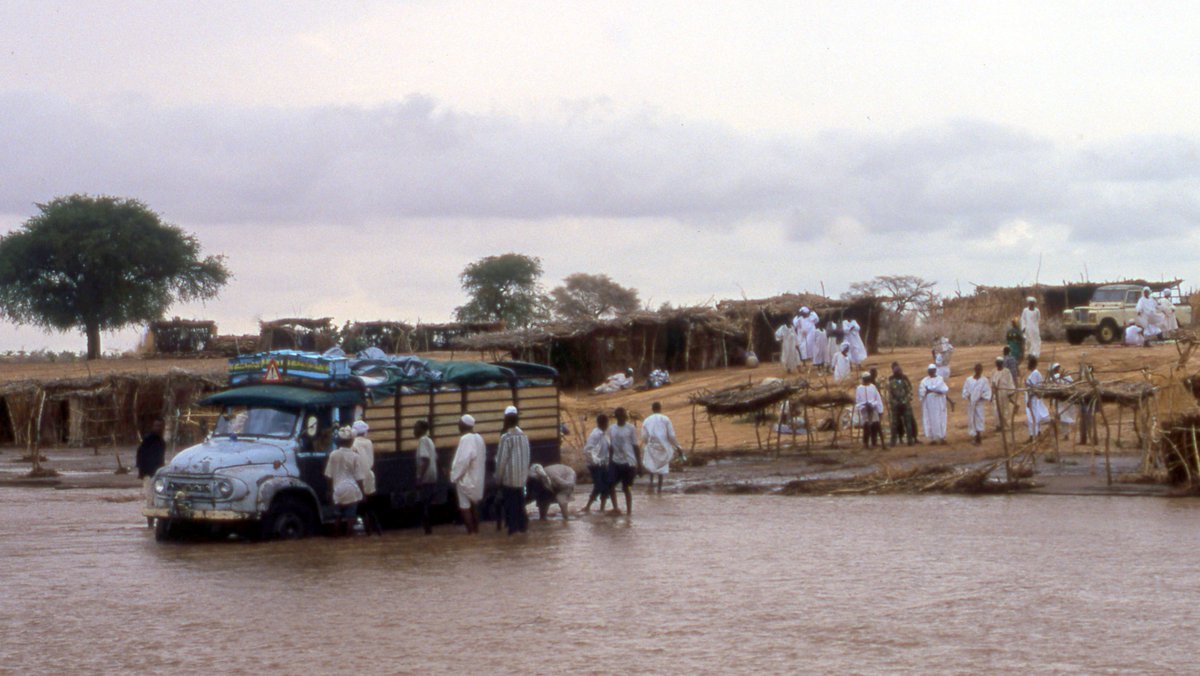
260 473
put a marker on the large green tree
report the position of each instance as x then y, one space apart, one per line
503 288
99 264
584 296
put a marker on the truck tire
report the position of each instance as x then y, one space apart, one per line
164 531
1077 336
289 518
1108 332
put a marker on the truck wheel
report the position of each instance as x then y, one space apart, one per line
163 530
1107 332
1077 336
288 519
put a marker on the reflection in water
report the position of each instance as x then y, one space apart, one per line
691 583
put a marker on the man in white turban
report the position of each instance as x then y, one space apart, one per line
977 391
1147 312
1167 309
841 364
1031 327
468 471
932 395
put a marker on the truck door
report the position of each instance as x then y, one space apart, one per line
316 442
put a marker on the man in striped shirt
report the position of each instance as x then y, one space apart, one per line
512 472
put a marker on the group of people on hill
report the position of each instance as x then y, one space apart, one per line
617 454
832 346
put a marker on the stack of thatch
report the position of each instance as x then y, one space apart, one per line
746 399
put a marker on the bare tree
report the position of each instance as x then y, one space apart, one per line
905 299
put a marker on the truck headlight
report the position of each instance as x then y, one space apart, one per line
160 486
224 488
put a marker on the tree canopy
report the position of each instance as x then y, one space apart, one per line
503 288
584 296
99 264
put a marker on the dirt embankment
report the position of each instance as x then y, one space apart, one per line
731 461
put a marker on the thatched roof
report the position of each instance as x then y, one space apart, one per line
743 399
323 323
379 324
86 386
541 335
787 303
183 323
1119 392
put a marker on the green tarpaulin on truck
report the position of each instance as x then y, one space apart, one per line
283 395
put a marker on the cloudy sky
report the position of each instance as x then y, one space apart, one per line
350 158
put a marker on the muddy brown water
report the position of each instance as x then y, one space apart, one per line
691 583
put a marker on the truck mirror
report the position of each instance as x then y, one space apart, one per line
310 426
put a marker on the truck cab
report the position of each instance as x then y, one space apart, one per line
261 471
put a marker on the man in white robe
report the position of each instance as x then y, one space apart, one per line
841 364
869 407
1167 309
798 325
468 472
1031 328
1036 413
1147 311
1133 334
932 395
977 391
858 351
789 354
809 324
1003 389
942 352
658 445
820 355
1065 410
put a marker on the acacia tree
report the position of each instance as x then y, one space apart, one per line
905 298
584 296
99 264
503 288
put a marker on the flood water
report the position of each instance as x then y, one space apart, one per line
692 583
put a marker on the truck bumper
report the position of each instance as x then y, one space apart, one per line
189 514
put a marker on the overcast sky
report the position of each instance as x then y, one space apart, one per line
350 158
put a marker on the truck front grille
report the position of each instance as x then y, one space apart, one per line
193 487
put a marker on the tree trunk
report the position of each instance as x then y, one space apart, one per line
93 340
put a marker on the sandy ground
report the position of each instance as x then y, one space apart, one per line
733 458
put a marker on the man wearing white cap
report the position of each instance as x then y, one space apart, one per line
977 390
932 394
1065 411
801 326
366 455
841 364
512 472
467 472
1147 311
1031 321
869 406
1036 413
1133 334
1003 390
343 469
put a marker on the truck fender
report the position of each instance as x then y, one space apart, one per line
269 487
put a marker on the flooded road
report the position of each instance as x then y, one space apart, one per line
692 583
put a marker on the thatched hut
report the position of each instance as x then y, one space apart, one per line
389 336
585 353
760 318
309 335
181 336
438 337
98 410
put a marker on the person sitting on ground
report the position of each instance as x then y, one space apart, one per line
596 451
1133 334
869 406
616 382
344 470
658 445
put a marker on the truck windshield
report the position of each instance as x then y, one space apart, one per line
257 422
1108 296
